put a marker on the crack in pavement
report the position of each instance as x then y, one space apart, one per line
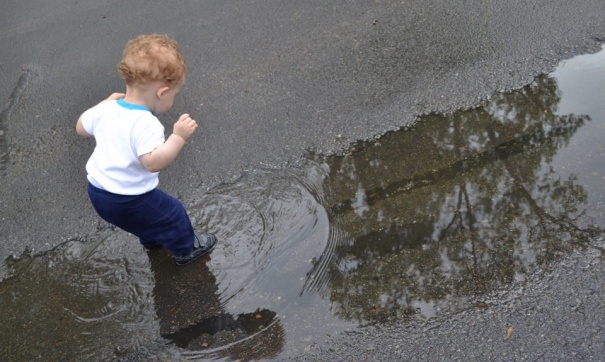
13 100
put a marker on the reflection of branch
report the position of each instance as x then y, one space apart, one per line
535 207
565 223
458 145
501 151
456 215
471 227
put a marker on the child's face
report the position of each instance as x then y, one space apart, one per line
166 100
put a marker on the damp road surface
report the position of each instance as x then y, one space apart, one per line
482 217
401 180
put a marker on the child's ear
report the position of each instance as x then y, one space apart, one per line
162 90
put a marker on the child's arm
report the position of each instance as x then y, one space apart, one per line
164 154
80 128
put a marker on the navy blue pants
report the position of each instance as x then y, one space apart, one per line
155 217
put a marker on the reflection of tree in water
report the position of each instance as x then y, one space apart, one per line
463 205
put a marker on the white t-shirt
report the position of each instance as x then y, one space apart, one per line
123 132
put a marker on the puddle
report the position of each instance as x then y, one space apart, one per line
421 223
104 298
432 220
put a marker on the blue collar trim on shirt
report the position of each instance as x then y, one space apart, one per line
132 106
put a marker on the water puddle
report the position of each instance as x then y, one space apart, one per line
432 220
421 223
104 298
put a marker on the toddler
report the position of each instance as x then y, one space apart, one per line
131 149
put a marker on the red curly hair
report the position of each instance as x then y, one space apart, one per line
152 57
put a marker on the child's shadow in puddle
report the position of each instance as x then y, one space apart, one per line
191 316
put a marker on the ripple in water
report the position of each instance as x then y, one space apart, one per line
273 226
80 301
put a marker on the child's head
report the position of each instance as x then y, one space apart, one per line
152 58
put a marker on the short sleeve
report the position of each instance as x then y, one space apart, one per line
148 134
88 120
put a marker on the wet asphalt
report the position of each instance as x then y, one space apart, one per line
269 81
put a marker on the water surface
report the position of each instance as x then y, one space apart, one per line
432 220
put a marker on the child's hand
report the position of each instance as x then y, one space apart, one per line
116 96
185 127
80 129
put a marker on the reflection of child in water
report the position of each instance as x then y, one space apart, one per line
192 316
131 149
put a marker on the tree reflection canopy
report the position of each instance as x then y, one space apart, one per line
429 220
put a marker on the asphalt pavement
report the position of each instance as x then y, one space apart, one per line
270 81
